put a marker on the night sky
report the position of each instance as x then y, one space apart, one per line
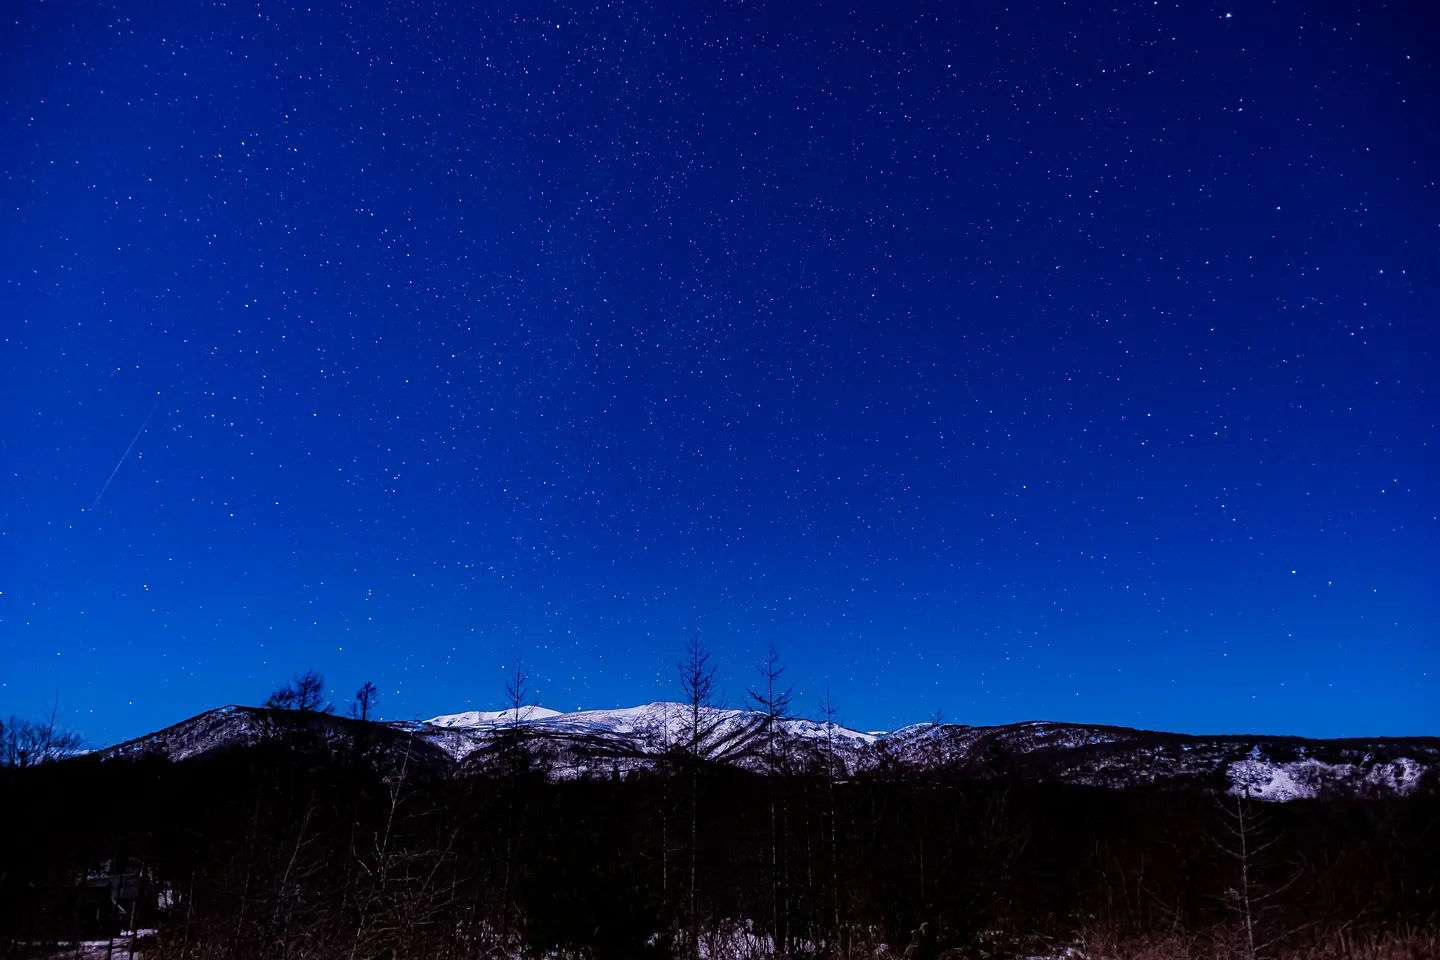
1074 365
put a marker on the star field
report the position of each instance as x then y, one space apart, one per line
1072 364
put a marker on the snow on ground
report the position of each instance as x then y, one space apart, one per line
659 722
117 949
1305 779
476 719
654 727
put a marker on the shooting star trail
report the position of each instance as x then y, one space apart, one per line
125 454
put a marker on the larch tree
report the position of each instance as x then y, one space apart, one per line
702 722
828 712
365 700
304 694
771 699
25 743
517 703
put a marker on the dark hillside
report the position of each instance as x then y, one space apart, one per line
310 842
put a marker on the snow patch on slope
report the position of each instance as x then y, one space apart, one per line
656 723
479 719
1309 778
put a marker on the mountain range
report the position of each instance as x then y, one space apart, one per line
621 742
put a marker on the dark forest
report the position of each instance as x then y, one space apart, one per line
340 839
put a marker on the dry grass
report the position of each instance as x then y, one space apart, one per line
1405 945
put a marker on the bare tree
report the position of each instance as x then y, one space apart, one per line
667 752
703 721
697 685
304 694
829 711
517 699
773 704
517 704
1240 825
365 700
281 699
402 891
1246 839
26 743
772 701
310 693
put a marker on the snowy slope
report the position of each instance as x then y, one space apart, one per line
658 725
619 742
485 719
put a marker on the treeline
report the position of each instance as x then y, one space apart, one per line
28 743
331 840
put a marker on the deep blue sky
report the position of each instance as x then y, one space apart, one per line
1076 364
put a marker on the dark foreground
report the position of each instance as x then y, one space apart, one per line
311 846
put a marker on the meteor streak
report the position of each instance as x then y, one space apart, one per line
125 454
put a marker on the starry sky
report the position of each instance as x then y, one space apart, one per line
1069 362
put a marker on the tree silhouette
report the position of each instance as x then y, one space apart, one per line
304 694
25 743
703 721
365 700
772 701
517 700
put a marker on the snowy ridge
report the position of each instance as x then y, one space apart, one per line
623 741
477 719
662 722
1307 779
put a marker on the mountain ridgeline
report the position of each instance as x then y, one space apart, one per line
621 742
679 830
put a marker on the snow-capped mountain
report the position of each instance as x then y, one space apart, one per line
620 742
654 727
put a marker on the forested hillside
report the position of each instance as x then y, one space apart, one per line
332 840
